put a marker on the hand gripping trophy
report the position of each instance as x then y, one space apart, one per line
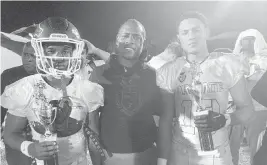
205 138
46 115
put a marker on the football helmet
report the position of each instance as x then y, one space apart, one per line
57 30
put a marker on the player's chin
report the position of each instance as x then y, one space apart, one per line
193 51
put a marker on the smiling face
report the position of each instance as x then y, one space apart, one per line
192 34
130 40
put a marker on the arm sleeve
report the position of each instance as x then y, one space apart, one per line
168 74
92 95
16 97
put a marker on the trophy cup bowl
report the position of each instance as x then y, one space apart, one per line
46 116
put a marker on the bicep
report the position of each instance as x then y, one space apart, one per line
15 124
240 93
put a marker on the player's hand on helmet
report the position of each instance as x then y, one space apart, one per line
212 121
91 48
43 150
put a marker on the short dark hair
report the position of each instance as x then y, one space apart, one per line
27 45
138 24
192 14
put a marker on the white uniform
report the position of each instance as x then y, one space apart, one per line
220 72
31 93
256 64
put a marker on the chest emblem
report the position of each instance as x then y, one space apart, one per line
129 99
182 77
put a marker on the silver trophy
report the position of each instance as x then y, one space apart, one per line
205 138
46 116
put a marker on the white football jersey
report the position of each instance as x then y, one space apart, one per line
219 72
27 96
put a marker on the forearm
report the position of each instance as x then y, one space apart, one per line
14 140
94 139
94 153
14 46
102 54
242 115
164 139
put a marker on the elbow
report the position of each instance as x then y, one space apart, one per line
249 115
6 137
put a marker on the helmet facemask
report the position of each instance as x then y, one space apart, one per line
46 63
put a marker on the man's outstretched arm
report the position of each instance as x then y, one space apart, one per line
165 127
243 101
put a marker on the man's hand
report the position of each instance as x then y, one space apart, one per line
91 48
43 150
213 121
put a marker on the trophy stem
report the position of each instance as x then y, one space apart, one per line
206 141
47 133
52 161
49 136
205 138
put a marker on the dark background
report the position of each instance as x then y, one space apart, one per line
99 21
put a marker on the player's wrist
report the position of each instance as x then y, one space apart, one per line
161 161
24 147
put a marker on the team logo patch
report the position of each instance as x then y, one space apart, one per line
182 77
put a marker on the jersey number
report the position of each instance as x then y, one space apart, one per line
186 118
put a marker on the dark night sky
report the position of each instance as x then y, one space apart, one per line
99 21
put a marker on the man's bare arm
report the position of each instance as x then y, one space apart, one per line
94 125
243 101
165 125
13 131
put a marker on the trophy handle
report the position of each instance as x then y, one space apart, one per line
55 116
47 131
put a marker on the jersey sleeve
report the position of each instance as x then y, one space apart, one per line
260 62
17 96
168 74
92 95
234 68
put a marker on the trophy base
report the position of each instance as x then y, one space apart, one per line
209 153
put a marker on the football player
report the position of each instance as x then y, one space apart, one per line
200 82
252 48
56 102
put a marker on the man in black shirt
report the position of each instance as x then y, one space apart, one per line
8 77
14 74
132 97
